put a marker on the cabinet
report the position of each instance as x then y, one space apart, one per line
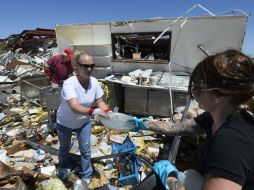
147 101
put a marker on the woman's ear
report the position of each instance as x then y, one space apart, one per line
216 100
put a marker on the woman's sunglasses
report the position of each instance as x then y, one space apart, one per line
86 67
194 92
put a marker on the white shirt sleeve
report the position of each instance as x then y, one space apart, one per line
69 90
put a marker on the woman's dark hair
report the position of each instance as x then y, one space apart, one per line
230 72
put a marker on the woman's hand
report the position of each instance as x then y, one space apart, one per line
99 112
168 174
139 124
174 184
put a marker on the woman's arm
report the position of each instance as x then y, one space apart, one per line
185 128
174 184
211 182
76 107
80 109
101 104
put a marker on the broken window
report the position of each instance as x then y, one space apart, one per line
140 46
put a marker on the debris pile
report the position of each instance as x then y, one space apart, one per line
28 140
29 41
25 53
29 149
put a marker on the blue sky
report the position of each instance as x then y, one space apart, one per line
17 15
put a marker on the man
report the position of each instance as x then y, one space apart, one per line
60 67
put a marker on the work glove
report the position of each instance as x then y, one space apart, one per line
164 169
139 124
98 112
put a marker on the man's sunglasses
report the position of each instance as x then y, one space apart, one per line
85 66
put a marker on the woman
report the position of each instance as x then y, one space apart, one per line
220 84
78 94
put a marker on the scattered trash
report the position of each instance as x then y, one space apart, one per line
80 185
117 121
48 170
3 157
2 115
38 155
52 184
93 140
118 138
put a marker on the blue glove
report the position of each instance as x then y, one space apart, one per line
164 169
139 124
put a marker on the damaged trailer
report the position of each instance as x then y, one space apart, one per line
119 48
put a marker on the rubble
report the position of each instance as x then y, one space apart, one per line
29 40
52 184
28 141
24 54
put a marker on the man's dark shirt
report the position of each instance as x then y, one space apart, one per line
59 70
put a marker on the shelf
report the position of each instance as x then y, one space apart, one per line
90 45
140 61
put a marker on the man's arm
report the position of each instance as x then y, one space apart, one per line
185 128
51 64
